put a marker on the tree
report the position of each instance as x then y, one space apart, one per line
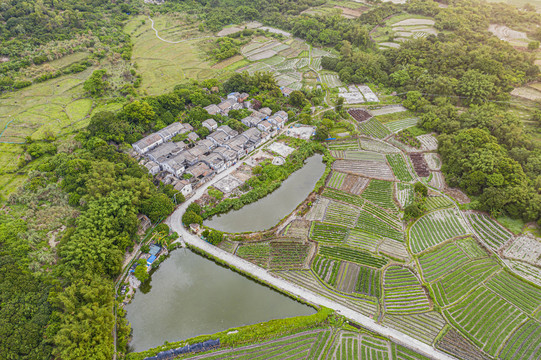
191 217
476 87
297 99
215 237
339 104
141 273
533 45
138 113
158 206
96 84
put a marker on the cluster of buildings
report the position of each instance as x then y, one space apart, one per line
202 158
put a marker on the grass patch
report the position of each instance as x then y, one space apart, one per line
514 225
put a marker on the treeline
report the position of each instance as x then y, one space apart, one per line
32 33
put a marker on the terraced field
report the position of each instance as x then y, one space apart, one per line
434 228
488 230
372 224
400 168
380 193
486 319
403 293
354 256
374 129
328 234
341 214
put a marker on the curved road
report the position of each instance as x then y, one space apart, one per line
175 223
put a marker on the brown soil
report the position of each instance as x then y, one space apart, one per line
419 164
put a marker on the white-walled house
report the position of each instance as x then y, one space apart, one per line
147 143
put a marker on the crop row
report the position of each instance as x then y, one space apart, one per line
369 223
404 194
374 128
326 269
256 253
341 214
435 228
327 233
368 282
453 286
344 145
380 192
518 292
342 196
524 344
363 155
471 248
403 292
336 180
373 349
399 125
347 348
485 318
390 218
288 254
437 202
492 233
424 327
399 166
363 240
355 256
441 261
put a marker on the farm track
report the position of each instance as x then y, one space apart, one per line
176 42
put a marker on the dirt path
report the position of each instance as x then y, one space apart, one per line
175 42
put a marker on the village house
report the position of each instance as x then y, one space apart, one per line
228 131
210 124
265 111
207 143
193 137
169 131
198 152
175 165
199 170
212 109
242 97
265 126
147 143
152 167
234 96
253 136
186 129
251 121
229 156
214 161
237 144
259 115
218 137
184 187
276 121
226 105
167 149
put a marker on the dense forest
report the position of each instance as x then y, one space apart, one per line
57 287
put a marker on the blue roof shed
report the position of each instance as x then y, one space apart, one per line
151 260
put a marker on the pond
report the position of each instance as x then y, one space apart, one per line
267 212
192 295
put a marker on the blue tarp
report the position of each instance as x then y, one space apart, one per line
151 260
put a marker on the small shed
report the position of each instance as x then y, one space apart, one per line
151 260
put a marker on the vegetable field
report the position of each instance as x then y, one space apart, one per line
354 184
403 292
438 202
344 145
370 223
404 194
327 233
368 282
488 230
523 344
380 193
518 292
400 168
371 169
355 256
342 196
326 269
336 180
486 319
434 228
436 264
399 125
362 240
374 129
341 214
423 327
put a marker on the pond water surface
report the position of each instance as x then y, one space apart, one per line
192 295
267 212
